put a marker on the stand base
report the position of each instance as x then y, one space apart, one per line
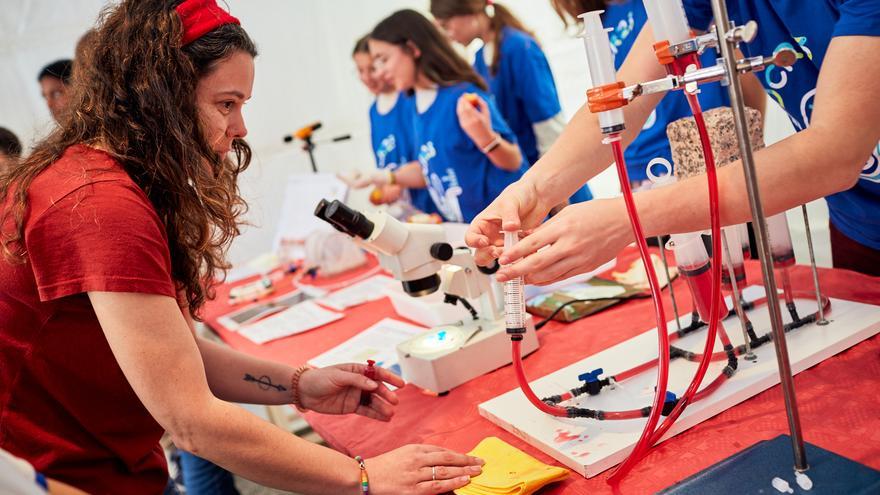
752 470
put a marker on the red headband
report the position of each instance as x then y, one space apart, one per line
200 17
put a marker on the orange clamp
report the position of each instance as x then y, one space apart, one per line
664 55
607 97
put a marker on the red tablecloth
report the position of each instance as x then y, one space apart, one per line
838 398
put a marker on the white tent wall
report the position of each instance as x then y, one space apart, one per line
304 73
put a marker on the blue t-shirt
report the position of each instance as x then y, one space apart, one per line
524 91
807 27
523 87
394 143
652 146
461 179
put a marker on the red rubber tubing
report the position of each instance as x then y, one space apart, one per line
616 415
715 308
711 388
786 285
644 441
625 375
527 389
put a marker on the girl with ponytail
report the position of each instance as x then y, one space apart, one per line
515 68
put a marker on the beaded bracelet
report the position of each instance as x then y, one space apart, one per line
365 480
294 386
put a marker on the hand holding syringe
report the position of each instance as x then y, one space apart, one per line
514 302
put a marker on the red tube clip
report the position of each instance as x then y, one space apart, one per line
369 372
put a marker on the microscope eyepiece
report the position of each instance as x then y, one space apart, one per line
422 286
321 212
351 221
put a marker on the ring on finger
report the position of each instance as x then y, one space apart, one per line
433 473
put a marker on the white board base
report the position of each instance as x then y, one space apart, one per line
589 446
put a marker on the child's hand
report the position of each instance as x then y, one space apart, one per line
475 119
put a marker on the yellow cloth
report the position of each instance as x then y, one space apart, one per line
509 471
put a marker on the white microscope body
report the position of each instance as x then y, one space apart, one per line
419 256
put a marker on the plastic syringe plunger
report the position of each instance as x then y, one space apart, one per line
514 301
601 65
668 20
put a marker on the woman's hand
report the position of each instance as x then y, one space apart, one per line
386 194
337 390
475 119
519 207
576 240
421 470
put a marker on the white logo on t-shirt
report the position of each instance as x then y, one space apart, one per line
386 146
444 190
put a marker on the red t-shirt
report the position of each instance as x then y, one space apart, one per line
65 405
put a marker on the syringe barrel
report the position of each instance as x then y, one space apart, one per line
600 63
514 301
780 240
690 252
733 251
668 20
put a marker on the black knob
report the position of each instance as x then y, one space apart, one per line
441 251
489 270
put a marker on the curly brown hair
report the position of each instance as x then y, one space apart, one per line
134 97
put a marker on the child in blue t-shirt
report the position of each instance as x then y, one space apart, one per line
467 152
392 138
516 70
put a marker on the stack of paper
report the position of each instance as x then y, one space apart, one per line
368 290
299 318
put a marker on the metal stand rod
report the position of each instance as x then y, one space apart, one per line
737 304
669 281
821 320
727 47
310 147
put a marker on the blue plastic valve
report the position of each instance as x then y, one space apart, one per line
592 376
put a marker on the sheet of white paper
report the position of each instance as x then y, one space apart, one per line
299 318
379 343
370 289
300 198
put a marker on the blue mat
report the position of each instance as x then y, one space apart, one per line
752 470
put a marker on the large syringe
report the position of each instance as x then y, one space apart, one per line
514 301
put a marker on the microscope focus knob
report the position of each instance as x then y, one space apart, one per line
441 251
489 270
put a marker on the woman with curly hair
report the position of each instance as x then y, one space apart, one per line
113 230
